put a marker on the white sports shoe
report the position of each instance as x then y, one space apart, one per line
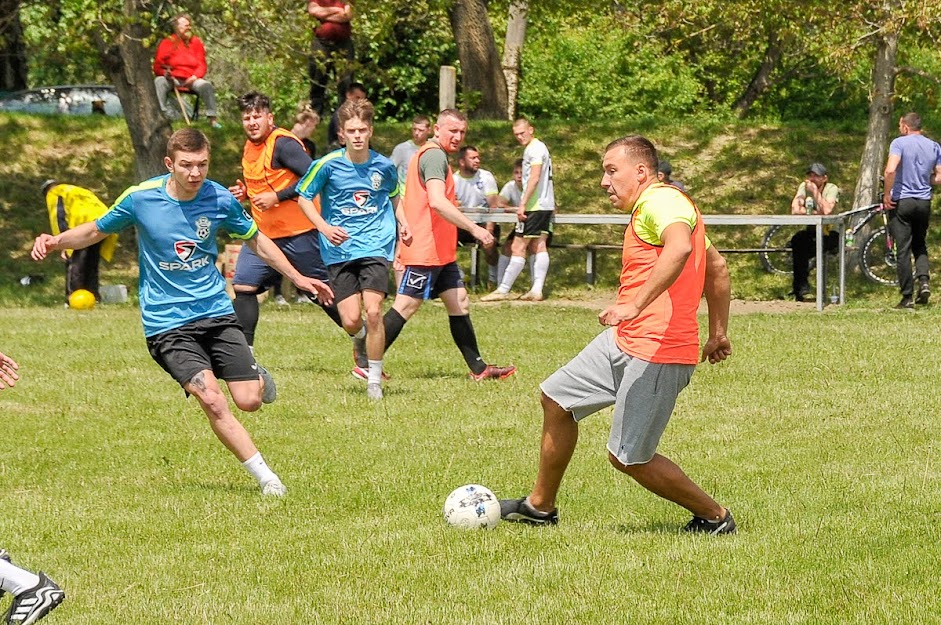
374 391
274 488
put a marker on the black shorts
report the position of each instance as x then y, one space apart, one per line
430 282
537 223
355 276
216 344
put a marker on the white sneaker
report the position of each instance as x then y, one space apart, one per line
274 488
496 296
374 391
532 296
280 301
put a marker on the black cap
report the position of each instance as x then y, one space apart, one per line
664 167
817 168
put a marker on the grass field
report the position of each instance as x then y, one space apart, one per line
819 433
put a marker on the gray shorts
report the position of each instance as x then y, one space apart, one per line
643 393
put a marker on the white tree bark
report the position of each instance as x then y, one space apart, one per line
512 51
880 120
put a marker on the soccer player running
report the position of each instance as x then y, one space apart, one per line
273 160
430 261
191 328
357 229
647 357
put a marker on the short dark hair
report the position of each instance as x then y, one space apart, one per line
360 109
421 119
465 149
187 140
638 147
912 120
355 85
518 163
453 114
254 101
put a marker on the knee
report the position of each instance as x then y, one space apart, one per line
373 316
632 470
214 403
248 400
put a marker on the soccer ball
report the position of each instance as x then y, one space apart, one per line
81 300
472 507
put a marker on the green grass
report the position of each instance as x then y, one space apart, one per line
819 433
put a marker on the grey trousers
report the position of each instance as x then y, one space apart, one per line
207 95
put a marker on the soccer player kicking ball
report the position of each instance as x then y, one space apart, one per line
642 363
189 322
357 229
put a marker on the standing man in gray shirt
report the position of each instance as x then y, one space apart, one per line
914 165
403 152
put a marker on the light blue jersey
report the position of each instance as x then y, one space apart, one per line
920 155
179 282
358 198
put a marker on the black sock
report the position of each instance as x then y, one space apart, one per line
463 334
246 309
393 322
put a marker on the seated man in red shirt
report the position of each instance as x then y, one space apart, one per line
181 61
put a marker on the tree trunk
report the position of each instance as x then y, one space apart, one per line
12 50
512 51
130 67
762 78
481 74
880 120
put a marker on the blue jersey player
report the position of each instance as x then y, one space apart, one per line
357 229
188 319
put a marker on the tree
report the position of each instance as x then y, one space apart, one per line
880 110
12 49
481 71
512 51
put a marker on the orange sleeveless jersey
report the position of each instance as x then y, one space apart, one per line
434 239
286 219
667 330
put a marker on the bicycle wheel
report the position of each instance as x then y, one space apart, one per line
878 260
777 241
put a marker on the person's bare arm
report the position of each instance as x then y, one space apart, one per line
442 205
272 256
718 292
77 238
334 234
531 185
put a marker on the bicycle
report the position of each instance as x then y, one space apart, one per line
876 255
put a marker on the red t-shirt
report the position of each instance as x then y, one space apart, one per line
332 31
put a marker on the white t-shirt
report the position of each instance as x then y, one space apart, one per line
543 198
512 193
473 192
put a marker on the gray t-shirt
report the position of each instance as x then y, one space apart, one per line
433 165
920 155
401 155
473 192
512 193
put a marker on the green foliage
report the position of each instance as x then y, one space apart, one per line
578 70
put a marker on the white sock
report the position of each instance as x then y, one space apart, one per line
492 273
501 267
361 334
375 372
15 580
540 271
259 469
512 273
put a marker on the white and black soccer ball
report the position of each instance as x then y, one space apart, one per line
472 507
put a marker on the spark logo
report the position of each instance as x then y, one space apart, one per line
184 249
361 198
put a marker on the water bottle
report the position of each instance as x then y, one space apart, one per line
850 238
809 205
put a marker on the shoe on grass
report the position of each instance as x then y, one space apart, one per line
520 511
269 392
374 391
924 293
725 525
274 488
31 605
496 296
362 373
906 304
493 372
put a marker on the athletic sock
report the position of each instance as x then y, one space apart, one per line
540 271
462 331
375 372
512 272
259 469
246 309
393 323
15 580
492 273
361 334
501 267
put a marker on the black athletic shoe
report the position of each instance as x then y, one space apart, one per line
905 304
33 604
713 528
4 555
924 293
519 511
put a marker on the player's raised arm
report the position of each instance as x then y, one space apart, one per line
8 374
76 238
272 255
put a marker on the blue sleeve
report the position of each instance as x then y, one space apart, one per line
238 223
894 147
118 217
313 181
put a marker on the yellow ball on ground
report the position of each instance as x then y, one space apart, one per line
81 299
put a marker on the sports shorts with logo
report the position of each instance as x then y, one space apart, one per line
355 276
430 282
303 252
537 224
214 343
643 394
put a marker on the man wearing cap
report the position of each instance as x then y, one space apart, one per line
914 164
70 206
664 171
815 196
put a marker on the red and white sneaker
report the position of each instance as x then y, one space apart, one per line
362 373
493 372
